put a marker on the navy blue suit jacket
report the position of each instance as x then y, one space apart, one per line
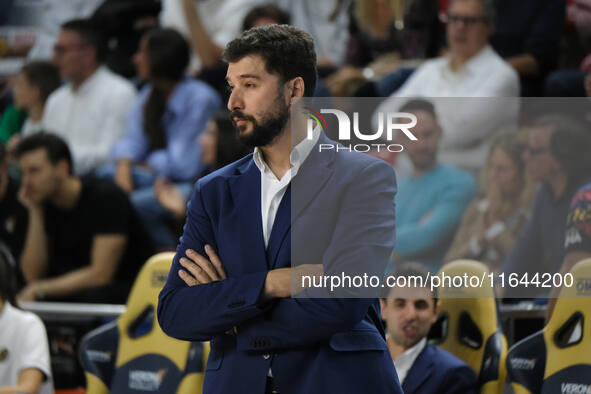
339 212
439 372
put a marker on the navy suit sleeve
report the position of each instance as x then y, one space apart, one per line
461 380
201 312
362 242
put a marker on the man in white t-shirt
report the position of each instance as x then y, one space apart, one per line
24 352
91 111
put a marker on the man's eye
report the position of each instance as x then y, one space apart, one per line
249 85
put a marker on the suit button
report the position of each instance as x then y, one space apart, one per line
266 356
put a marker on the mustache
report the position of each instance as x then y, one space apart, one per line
240 116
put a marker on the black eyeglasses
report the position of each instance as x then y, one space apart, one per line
466 20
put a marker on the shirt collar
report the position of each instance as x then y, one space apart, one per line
298 155
410 355
476 63
90 82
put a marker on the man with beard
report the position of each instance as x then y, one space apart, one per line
432 200
286 205
409 313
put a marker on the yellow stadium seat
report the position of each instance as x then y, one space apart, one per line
469 325
557 359
133 355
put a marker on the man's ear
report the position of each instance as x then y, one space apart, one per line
63 168
297 87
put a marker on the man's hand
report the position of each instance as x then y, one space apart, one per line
200 270
285 282
170 197
25 198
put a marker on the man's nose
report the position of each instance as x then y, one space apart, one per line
235 101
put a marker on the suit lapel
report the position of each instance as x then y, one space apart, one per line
419 372
280 229
311 177
246 193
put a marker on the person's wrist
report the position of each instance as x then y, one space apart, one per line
39 291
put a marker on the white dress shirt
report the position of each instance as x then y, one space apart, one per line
273 189
31 127
92 118
404 362
468 124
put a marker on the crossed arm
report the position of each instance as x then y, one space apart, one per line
203 302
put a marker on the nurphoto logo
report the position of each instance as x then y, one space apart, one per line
388 123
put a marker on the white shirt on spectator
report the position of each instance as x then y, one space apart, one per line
273 189
468 125
404 362
222 19
23 345
92 118
31 127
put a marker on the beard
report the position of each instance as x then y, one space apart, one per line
270 127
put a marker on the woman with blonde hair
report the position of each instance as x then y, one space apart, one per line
492 223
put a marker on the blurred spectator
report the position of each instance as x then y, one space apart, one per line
409 313
383 34
471 69
84 241
527 34
492 223
424 226
13 216
48 16
24 351
171 112
565 83
209 25
328 24
580 12
577 239
557 156
91 110
220 146
124 22
32 86
263 15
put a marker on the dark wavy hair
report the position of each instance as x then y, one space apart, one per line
168 56
55 147
288 52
